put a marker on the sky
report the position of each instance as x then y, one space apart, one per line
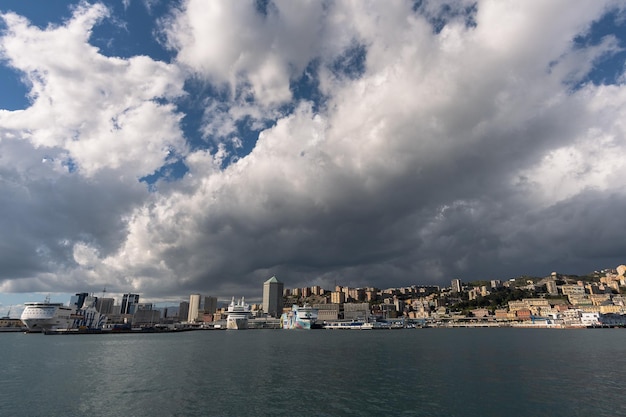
175 147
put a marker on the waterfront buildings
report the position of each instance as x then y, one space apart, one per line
145 315
326 312
354 311
555 300
273 297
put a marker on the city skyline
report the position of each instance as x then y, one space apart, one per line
168 148
16 305
556 301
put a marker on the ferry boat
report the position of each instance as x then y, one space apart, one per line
238 314
348 325
46 316
304 317
41 316
363 325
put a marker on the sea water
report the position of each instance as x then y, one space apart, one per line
412 372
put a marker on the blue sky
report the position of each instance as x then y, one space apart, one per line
166 148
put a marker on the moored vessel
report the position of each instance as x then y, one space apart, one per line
42 316
48 317
304 317
238 314
348 325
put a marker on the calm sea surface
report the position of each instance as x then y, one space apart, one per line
417 372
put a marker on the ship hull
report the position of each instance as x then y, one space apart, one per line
40 317
236 323
297 325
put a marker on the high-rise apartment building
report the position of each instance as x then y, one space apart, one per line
129 303
456 285
194 307
337 297
273 297
210 305
183 310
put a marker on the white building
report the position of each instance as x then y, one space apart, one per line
194 307
590 319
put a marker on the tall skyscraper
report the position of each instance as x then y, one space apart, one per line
183 310
273 297
129 303
194 307
456 285
210 305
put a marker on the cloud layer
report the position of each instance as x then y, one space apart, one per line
432 143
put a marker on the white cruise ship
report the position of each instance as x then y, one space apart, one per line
304 317
54 317
43 316
238 314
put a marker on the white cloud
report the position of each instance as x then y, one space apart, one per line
101 112
85 255
233 43
70 162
